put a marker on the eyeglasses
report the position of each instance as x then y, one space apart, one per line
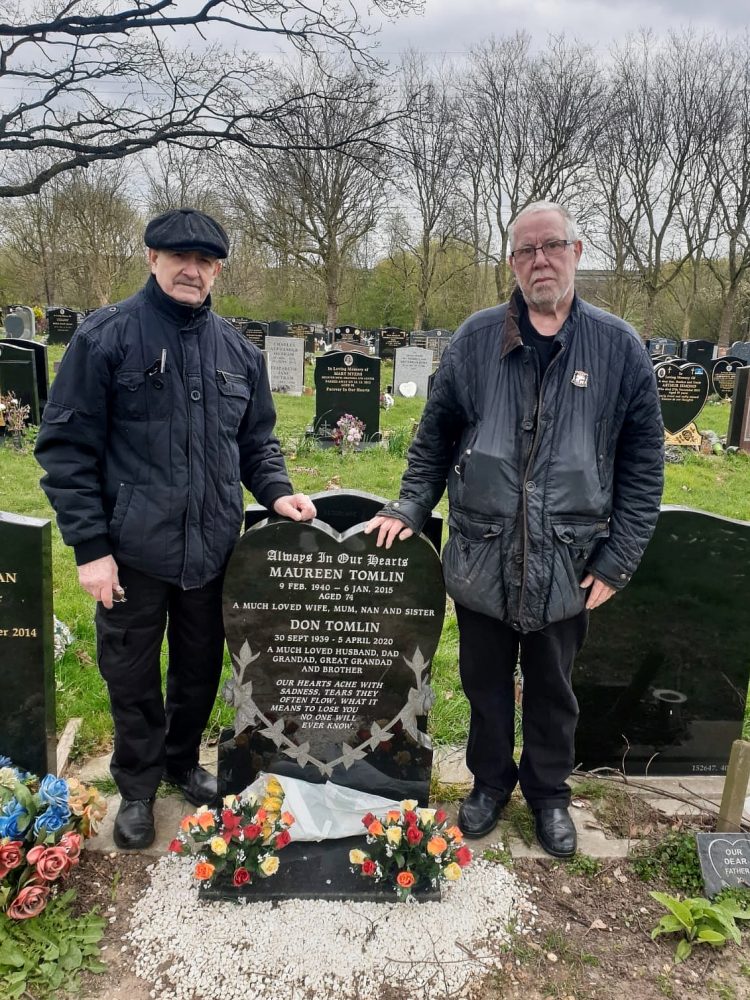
552 248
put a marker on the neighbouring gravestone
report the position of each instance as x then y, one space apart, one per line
663 677
683 388
700 351
412 367
332 641
741 350
256 332
286 364
725 860
40 367
348 334
14 327
346 382
724 375
18 375
389 339
437 341
738 432
662 345
61 325
27 669
278 328
238 322
417 338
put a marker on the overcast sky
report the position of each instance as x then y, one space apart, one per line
452 26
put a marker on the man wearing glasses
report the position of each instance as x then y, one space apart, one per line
545 424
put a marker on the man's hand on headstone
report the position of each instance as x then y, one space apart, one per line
599 593
99 578
389 529
297 508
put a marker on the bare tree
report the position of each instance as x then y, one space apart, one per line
88 80
541 115
427 142
316 201
665 113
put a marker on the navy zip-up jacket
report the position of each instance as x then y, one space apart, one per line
545 482
146 464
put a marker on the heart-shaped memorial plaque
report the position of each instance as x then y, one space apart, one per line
331 640
683 390
725 860
724 375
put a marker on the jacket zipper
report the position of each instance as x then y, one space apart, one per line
532 453
189 462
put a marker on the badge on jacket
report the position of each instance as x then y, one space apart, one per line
581 379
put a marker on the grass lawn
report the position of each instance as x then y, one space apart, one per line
717 484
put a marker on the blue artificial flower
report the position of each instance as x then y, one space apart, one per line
5 761
51 820
54 791
14 820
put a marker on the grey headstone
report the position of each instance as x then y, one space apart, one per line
286 364
725 860
412 365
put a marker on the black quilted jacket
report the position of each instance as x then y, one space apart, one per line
149 465
544 483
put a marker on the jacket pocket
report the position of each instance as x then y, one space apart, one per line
142 396
55 413
124 493
234 396
604 460
472 565
574 541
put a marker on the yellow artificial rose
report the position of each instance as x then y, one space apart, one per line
218 845
426 815
452 872
408 805
356 857
273 787
272 804
393 835
266 830
229 801
271 865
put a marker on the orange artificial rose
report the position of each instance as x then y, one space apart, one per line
393 815
375 829
186 822
436 845
405 880
203 870
205 821
261 816
454 832
287 819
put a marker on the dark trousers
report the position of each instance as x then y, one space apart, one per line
488 653
152 733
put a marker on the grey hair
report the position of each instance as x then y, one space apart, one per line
571 226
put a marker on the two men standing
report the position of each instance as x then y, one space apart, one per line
159 414
545 424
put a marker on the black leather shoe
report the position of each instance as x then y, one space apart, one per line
555 832
479 813
197 785
134 824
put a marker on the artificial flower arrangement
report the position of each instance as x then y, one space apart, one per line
348 433
243 837
410 846
43 824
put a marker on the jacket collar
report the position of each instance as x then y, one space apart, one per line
511 334
180 314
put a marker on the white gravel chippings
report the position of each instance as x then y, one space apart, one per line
300 949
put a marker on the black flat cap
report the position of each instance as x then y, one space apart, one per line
187 229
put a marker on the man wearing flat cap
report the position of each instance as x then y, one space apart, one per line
160 412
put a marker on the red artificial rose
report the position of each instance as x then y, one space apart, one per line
73 844
241 876
35 854
441 816
368 867
11 856
368 820
252 831
176 846
228 818
29 902
410 816
283 838
463 856
53 863
413 834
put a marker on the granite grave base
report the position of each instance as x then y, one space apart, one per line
310 870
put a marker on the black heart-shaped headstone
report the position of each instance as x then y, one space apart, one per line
723 375
683 390
331 641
